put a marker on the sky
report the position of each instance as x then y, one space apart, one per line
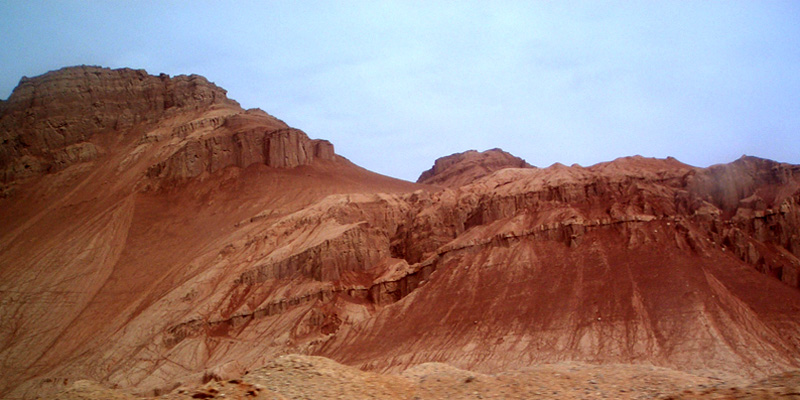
396 84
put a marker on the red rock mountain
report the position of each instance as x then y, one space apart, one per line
154 233
461 168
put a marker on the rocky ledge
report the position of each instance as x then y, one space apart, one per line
48 121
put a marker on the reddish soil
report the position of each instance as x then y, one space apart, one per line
156 235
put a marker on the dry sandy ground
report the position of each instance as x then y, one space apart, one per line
305 377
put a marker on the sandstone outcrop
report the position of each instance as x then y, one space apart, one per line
584 263
462 168
200 240
279 148
46 116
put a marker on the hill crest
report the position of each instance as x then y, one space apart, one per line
462 168
206 238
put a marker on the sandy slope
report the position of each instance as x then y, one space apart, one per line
155 234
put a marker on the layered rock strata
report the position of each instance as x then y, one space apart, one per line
198 239
48 121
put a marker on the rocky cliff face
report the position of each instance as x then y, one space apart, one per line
241 144
619 262
70 116
203 240
48 121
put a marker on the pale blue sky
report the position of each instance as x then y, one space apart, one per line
394 85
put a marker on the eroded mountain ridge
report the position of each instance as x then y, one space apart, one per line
156 234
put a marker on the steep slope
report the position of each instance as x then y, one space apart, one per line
201 240
90 251
620 262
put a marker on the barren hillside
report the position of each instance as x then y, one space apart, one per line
155 234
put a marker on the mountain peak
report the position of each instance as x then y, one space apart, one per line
172 237
78 85
49 120
462 168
